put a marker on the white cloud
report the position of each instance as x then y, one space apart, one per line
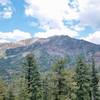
7 9
58 10
90 13
53 32
49 9
14 36
4 41
4 2
51 14
94 37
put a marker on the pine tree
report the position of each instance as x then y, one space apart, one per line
10 95
2 89
32 78
45 87
22 94
70 84
82 79
95 91
59 82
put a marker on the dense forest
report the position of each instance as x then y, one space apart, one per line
60 82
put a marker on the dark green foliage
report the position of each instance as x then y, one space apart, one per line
2 89
83 80
32 78
70 84
10 95
95 93
59 82
45 88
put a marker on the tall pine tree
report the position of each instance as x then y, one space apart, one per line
59 81
82 79
2 89
45 88
32 78
95 93
10 95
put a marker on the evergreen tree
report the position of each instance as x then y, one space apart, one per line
21 87
83 80
10 95
2 89
59 83
45 87
47 84
32 78
70 84
95 91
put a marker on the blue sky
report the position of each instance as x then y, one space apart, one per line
22 19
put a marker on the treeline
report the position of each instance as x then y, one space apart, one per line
58 83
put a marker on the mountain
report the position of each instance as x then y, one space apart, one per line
46 50
5 46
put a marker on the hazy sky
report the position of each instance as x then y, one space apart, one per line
21 19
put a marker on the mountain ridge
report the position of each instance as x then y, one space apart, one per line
47 50
32 40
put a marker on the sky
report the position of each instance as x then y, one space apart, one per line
22 19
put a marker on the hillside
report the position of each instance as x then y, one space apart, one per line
46 51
